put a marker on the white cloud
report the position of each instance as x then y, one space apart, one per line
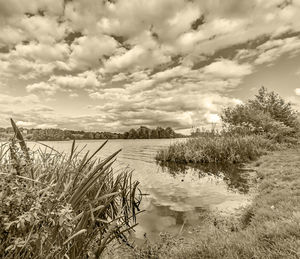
119 77
15 7
273 49
41 52
83 80
24 68
44 29
227 68
46 126
42 87
87 51
15 100
171 73
25 124
137 57
297 91
68 83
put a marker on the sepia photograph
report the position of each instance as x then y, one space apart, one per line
149 129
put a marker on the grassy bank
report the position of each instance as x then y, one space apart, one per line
268 228
217 149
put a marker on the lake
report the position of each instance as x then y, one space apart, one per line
178 196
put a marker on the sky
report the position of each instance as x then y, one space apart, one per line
112 65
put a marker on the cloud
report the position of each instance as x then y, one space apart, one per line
33 60
227 68
41 52
23 68
15 7
46 126
68 83
297 91
14 100
87 51
171 73
273 49
137 57
20 27
25 109
25 124
83 80
42 87
170 63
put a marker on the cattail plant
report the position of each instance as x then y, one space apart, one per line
54 205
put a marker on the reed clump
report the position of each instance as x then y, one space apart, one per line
217 149
54 205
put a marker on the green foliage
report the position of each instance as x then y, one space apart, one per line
266 114
217 149
58 206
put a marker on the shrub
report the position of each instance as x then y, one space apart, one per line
59 206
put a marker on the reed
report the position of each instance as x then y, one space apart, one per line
55 205
217 149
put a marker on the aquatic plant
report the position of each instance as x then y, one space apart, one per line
217 149
55 205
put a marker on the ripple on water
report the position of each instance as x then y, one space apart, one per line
177 194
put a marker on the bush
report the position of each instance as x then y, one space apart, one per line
56 206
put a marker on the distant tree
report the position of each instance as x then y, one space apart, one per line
58 134
125 135
153 133
132 134
143 132
170 133
160 132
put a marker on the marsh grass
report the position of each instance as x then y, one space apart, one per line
55 205
217 149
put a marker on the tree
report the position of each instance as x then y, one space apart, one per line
154 133
132 134
267 112
143 132
170 132
272 103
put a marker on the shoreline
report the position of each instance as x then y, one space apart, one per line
104 139
267 228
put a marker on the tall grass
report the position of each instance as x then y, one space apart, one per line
55 205
217 149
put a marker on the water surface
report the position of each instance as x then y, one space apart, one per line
177 195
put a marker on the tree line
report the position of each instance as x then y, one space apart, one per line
59 134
